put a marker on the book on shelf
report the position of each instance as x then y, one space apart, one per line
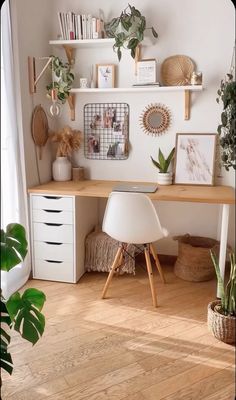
80 26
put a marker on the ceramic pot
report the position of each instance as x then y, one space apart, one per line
61 169
164 178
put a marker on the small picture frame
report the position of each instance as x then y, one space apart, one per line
105 76
195 158
146 71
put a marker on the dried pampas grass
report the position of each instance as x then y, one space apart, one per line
68 140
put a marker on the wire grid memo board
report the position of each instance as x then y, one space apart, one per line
106 131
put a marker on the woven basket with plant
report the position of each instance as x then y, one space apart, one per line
222 313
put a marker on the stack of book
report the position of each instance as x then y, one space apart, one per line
85 26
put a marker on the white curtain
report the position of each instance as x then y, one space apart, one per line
13 190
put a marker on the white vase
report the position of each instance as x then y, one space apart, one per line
61 169
164 178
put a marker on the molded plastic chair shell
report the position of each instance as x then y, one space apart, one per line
132 218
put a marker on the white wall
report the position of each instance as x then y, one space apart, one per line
203 30
31 32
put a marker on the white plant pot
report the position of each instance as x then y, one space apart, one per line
164 178
61 169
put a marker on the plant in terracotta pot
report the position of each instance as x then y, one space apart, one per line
222 313
226 130
68 140
164 176
128 30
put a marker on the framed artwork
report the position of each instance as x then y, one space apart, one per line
106 131
146 71
195 158
105 76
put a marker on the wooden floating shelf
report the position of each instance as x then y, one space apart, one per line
184 89
196 88
83 43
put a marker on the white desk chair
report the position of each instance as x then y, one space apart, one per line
132 218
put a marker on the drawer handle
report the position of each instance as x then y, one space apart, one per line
54 243
52 211
54 261
52 224
52 197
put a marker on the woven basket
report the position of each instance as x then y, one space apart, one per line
223 327
194 262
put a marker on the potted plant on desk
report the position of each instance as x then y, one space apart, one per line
68 140
164 176
222 313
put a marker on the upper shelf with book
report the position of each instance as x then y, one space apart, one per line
107 42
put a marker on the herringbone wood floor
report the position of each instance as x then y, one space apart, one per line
121 347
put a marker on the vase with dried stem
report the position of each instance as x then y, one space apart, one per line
68 140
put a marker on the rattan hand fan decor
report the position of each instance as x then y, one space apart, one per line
39 128
177 70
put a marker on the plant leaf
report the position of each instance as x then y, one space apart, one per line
162 161
28 321
13 246
169 158
154 33
157 165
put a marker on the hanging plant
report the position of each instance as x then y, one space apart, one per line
226 130
128 30
62 79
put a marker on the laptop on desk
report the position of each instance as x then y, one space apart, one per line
131 187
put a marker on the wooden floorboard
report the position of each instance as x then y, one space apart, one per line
121 348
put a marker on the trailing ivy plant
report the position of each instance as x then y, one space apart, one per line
128 30
20 312
62 79
226 130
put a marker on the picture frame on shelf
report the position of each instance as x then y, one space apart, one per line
195 158
105 76
146 71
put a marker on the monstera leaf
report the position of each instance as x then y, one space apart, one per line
5 359
13 246
25 314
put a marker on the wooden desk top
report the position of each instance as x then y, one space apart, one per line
95 188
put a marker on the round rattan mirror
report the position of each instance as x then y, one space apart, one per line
155 119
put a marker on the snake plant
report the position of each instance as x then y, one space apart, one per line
228 291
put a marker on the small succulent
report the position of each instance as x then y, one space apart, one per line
163 163
128 30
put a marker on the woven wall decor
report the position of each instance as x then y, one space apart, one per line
177 70
155 119
39 128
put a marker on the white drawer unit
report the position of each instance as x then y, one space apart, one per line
59 225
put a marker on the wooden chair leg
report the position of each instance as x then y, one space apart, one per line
150 275
157 262
115 264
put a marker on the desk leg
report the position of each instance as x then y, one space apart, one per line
223 241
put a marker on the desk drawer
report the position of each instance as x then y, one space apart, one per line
53 251
52 203
53 270
53 216
47 232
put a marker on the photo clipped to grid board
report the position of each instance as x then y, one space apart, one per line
106 131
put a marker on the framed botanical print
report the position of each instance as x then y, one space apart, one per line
105 76
195 158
